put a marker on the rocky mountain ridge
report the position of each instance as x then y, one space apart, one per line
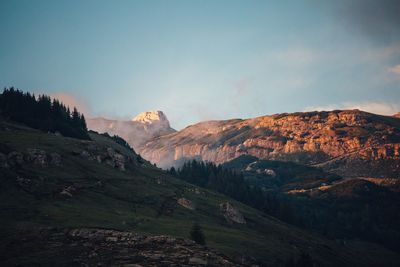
138 131
307 137
150 117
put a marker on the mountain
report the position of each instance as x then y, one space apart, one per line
348 142
136 132
73 202
397 115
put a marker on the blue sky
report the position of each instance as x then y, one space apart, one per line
201 60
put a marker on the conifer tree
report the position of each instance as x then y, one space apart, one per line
42 113
197 235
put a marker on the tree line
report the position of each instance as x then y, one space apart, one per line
232 183
42 113
372 217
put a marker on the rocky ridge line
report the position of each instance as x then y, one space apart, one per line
309 138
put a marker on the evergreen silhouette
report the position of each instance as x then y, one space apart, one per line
42 113
233 184
197 235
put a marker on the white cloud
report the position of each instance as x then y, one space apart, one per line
395 69
383 108
72 101
374 54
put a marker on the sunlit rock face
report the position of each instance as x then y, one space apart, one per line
397 115
152 117
309 138
136 132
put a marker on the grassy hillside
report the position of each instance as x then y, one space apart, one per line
79 191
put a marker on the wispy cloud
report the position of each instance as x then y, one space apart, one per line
72 101
383 108
394 69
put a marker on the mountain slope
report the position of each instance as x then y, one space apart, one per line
52 181
350 136
137 131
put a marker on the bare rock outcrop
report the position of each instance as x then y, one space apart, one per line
36 156
101 247
107 155
186 203
68 191
30 156
231 214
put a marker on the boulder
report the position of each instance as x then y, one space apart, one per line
37 156
109 156
116 159
231 214
85 154
119 161
186 203
68 191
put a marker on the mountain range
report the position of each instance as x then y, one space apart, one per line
346 142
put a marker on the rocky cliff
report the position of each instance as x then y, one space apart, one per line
139 130
310 138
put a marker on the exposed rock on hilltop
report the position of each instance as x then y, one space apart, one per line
186 203
150 117
309 137
32 155
136 132
100 247
231 214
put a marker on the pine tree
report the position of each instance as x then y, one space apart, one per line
197 235
83 122
75 117
42 113
172 171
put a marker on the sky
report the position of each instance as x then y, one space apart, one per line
203 60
